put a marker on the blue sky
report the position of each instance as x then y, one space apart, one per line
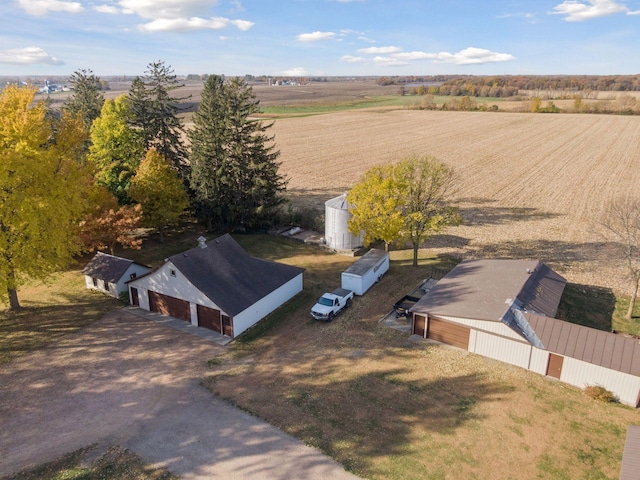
321 37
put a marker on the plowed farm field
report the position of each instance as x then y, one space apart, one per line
530 185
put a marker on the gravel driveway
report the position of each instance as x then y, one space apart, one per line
129 381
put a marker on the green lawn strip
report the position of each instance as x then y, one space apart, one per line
115 464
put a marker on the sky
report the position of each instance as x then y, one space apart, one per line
310 38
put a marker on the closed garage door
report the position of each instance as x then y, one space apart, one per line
209 318
166 305
449 333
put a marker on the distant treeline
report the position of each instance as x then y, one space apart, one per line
509 85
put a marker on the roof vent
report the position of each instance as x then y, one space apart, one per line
202 242
528 271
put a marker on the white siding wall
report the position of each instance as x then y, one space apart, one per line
500 348
133 268
539 360
496 340
581 374
266 305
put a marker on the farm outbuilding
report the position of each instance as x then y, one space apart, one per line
336 225
504 309
110 274
217 285
365 271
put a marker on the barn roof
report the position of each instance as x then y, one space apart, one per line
107 267
609 350
229 276
487 289
631 455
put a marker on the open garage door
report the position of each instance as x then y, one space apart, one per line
449 333
209 318
166 305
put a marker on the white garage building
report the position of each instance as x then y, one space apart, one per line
217 285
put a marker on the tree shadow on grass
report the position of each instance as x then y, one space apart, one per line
587 305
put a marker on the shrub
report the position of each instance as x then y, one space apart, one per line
596 392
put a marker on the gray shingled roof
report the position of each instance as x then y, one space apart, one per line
107 267
606 349
230 277
486 289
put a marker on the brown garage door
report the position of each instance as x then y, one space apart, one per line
209 318
419 324
449 333
166 305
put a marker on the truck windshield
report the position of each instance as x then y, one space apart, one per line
325 301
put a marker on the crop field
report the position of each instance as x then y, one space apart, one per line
530 185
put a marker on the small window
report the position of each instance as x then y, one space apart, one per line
172 272
95 281
132 276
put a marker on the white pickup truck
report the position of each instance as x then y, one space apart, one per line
330 304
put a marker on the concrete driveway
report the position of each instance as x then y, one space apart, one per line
129 381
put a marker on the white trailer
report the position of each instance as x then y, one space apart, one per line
366 271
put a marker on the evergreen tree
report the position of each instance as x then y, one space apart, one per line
155 113
86 100
234 169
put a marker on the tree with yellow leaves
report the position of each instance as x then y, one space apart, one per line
161 193
43 184
408 201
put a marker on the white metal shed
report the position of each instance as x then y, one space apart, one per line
366 271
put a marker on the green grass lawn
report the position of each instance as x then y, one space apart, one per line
382 101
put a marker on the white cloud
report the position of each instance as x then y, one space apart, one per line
389 61
470 56
42 7
577 11
106 9
315 36
380 50
295 72
180 15
635 12
411 55
28 56
352 59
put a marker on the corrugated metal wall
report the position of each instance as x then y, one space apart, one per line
503 349
581 374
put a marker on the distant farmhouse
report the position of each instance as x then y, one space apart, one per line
504 309
217 285
110 274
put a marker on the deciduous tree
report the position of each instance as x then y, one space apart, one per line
426 185
621 218
116 148
408 201
161 193
108 224
375 204
43 183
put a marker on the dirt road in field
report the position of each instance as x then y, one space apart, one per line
132 382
